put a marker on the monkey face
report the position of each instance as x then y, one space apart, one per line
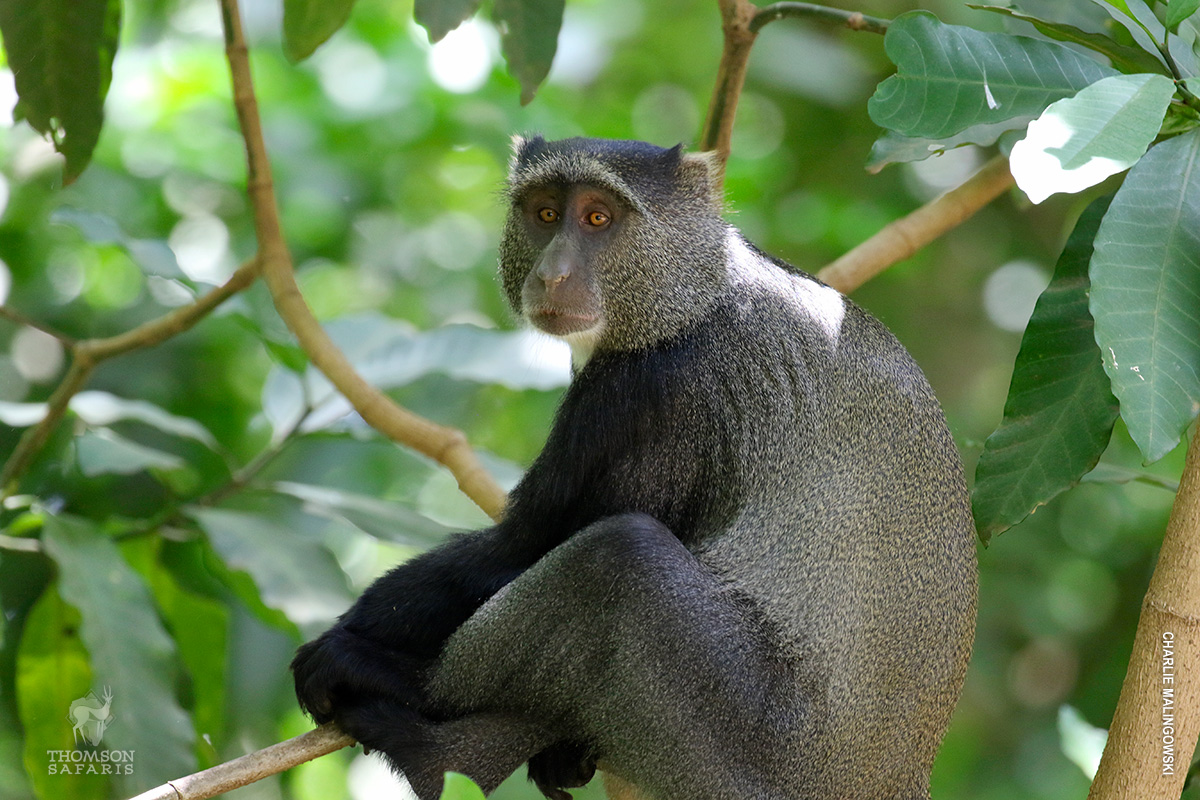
611 245
571 228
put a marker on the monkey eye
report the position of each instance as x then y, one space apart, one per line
547 215
597 219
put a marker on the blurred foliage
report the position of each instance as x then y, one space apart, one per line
215 475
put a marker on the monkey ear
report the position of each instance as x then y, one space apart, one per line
701 172
523 148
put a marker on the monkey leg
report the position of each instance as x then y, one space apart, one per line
487 747
621 639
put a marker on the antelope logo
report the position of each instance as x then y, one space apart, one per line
91 717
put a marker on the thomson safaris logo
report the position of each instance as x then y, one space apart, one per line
90 717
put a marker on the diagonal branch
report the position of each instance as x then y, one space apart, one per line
445 445
86 355
900 239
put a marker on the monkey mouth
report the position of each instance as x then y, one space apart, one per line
559 322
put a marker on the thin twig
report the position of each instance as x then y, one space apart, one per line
86 355
907 235
445 445
251 767
736 16
741 21
35 438
12 315
854 20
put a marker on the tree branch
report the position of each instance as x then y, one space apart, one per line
445 445
12 315
736 17
741 21
251 767
900 239
86 355
854 20
1133 765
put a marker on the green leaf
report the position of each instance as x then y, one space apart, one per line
293 573
460 787
1123 57
1113 473
1079 741
892 148
200 627
154 256
1145 299
389 522
52 672
1139 14
439 17
307 24
61 54
130 651
389 355
1060 411
528 39
1179 10
101 408
1079 141
104 453
950 78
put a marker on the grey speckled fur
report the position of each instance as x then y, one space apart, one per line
810 637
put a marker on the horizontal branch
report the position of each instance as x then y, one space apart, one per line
900 239
854 20
251 767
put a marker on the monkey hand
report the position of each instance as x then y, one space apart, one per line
340 669
566 765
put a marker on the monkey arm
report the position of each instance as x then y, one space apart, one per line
596 463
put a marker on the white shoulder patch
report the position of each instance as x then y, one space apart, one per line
822 304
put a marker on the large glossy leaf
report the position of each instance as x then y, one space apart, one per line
307 24
950 78
1179 10
293 573
439 17
528 39
1060 411
130 651
52 672
1079 141
1123 57
1146 294
61 53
